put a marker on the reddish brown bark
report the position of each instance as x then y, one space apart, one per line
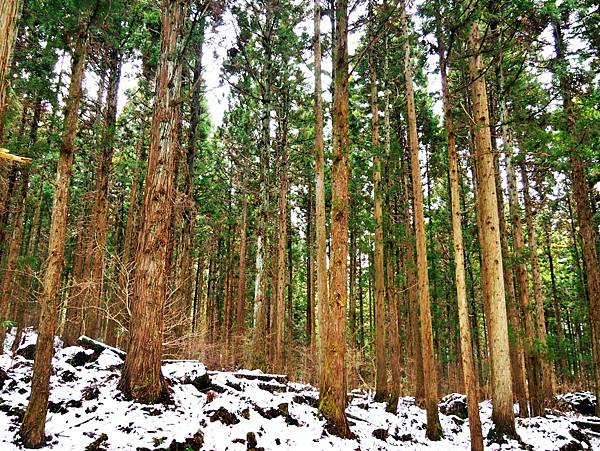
32 428
141 378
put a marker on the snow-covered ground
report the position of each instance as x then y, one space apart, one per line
228 411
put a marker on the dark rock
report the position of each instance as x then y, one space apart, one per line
284 408
581 437
193 443
68 376
251 443
454 404
3 378
580 402
272 388
304 399
239 440
91 392
573 445
245 413
96 445
233 385
57 407
82 358
12 411
224 416
381 434
73 403
27 352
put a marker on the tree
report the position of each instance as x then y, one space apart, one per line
492 271
9 12
32 428
332 401
141 378
434 428
466 347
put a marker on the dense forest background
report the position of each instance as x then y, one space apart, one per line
464 220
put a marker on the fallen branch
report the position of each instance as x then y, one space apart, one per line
5 154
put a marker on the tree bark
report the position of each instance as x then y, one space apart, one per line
583 208
492 271
434 428
141 378
320 219
540 317
9 15
466 347
32 428
332 401
99 217
381 390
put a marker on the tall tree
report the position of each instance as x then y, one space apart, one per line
332 401
32 428
581 193
141 378
491 254
466 347
434 428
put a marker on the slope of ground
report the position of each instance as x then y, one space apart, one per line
233 411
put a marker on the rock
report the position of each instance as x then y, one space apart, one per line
82 358
224 416
193 443
381 434
580 402
96 445
251 443
305 399
3 378
57 407
91 392
27 352
68 376
454 404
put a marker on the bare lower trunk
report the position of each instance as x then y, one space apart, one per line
434 428
32 428
99 216
332 401
492 271
320 220
381 391
466 348
141 378
540 317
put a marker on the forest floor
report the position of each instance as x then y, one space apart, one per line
239 411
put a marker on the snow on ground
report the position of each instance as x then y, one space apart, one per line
231 410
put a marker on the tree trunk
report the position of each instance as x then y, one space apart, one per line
332 402
9 15
32 428
466 348
434 428
492 271
540 317
279 319
141 378
533 358
241 292
185 280
585 219
99 216
9 274
320 219
381 391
